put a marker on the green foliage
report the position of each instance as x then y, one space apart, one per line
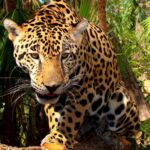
87 9
146 24
145 127
126 22
148 99
122 22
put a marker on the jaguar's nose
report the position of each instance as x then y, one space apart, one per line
52 89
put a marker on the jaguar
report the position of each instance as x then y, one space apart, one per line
72 66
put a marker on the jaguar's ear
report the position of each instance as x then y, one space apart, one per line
13 29
76 34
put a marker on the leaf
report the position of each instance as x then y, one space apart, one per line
145 127
88 9
146 25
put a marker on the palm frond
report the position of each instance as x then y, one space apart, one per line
88 9
146 25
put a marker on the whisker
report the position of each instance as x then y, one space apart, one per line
20 96
15 67
76 77
73 96
15 101
20 80
16 89
73 83
8 77
21 86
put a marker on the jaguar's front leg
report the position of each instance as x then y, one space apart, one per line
64 125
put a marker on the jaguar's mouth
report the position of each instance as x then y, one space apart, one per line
47 98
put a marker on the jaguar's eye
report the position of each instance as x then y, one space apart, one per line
34 55
65 55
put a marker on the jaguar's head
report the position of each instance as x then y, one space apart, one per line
49 54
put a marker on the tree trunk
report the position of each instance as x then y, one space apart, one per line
135 91
102 15
9 5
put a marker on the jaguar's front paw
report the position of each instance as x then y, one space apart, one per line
53 146
51 142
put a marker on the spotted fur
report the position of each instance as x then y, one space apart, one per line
73 69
